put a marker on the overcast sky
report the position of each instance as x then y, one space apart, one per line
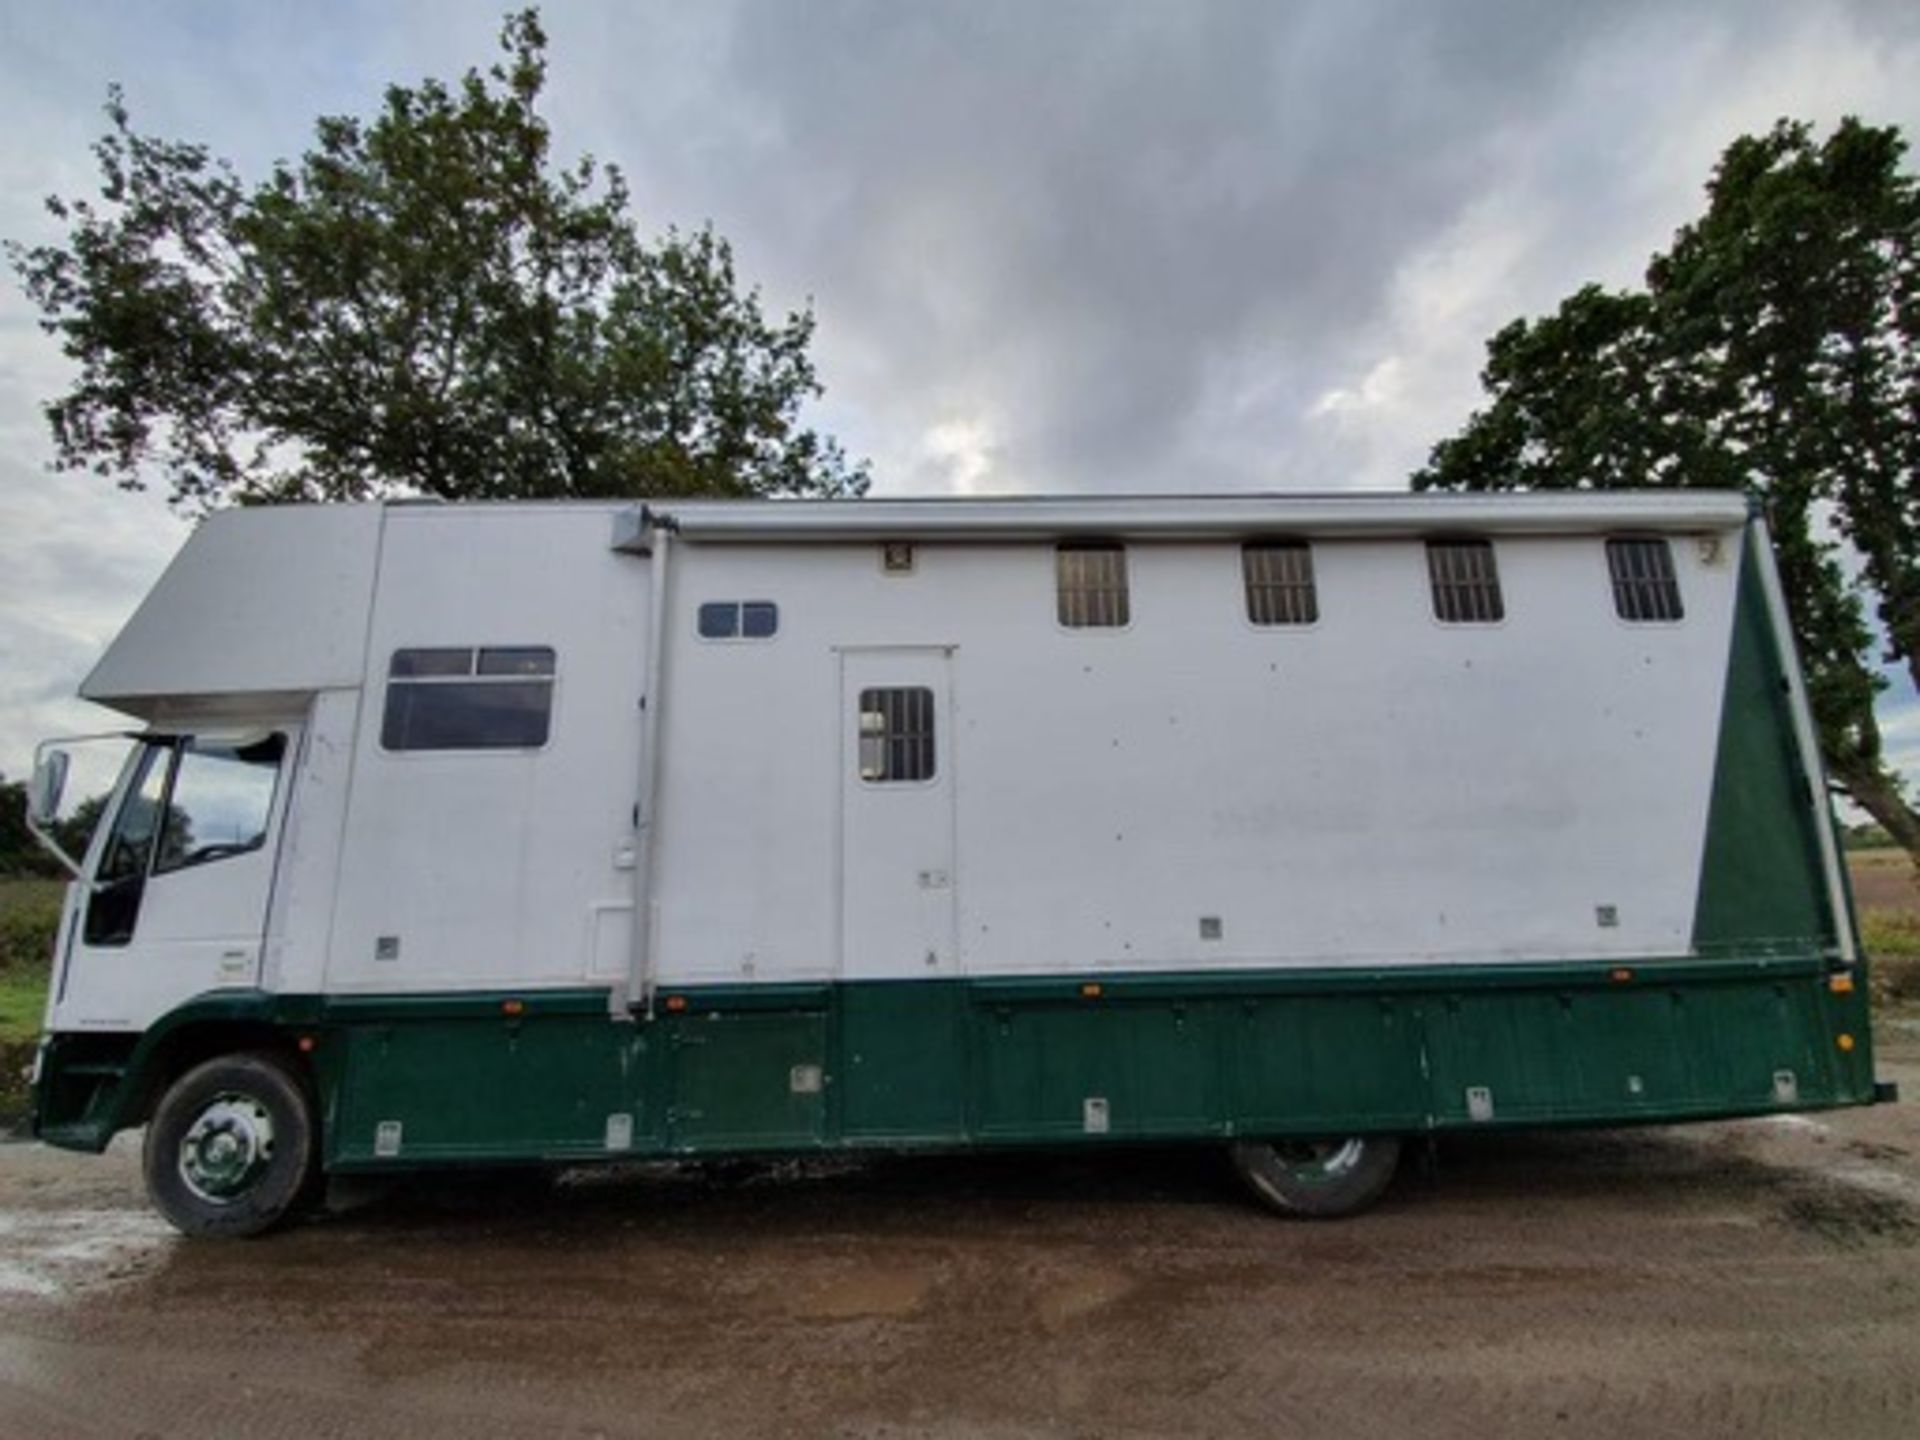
1119 246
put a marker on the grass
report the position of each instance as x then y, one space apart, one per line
23 1004
29 915
1891 939
1891 933
1887 899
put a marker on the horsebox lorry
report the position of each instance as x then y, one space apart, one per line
511 834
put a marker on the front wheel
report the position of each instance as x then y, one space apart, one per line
230 1147
1318 1179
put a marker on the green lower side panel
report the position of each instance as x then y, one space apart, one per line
943 1064
726 1070
542 1085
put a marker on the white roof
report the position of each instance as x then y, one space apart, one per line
265 599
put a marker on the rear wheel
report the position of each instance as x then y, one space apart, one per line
1318 1179
230 1147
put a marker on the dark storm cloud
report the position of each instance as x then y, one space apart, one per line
1065 216
1078 228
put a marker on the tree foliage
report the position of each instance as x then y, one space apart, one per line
422 304
1774 348
20 853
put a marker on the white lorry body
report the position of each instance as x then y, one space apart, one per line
643 766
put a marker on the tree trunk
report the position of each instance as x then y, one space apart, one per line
1877 793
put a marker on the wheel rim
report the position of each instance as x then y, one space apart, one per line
227 1148
1319 1161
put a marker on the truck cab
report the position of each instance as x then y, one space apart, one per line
171 900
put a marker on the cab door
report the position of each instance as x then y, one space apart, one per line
180 883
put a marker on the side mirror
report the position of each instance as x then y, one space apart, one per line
49 782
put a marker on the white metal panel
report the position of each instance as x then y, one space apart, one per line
270 599
897 836
1375 789
490 868
747 869
301 917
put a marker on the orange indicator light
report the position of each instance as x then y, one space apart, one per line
513 1007
1621 976
306 1044
676 1003
1091 990
1845 1042
1840 984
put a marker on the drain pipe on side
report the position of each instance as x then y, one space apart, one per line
640 986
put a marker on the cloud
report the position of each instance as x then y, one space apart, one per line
1080 246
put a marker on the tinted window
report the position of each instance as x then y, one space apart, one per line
495 698
1466 583
739 620
190 802
131 844
121 880
1644 585
222 799
431 662
516 660
758 619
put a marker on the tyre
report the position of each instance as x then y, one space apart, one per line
1318 1179
230 1149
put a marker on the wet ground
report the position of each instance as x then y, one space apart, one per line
1751 1279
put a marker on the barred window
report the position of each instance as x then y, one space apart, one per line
497 698
896 734
1279 576
1092 585
1466 583
1644 585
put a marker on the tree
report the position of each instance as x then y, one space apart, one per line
20 854
1775 348
423 304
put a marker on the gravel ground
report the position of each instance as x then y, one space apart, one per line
1752 1279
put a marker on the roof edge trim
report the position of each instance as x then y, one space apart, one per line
1183 517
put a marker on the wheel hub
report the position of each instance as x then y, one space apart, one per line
227 1148
1320 1159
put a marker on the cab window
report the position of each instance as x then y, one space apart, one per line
130 845
222 797
190 802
